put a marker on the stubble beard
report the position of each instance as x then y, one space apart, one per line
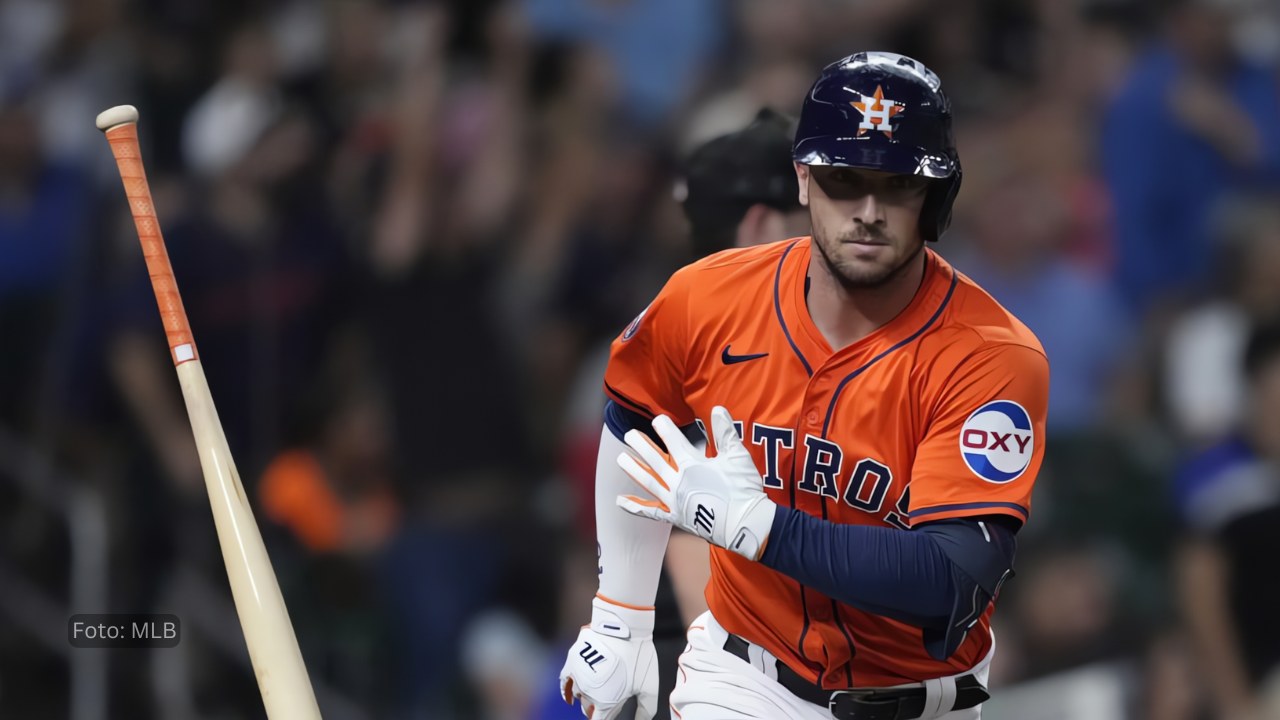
852 277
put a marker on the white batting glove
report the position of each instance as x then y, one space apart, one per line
612 660
719 499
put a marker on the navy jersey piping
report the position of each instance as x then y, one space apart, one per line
921 512
777 308
826 425
628 402
804 601
835 396
839 621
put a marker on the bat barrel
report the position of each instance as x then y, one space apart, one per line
268 632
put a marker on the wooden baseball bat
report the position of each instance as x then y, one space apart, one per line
273 648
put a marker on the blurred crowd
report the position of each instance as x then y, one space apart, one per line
406 230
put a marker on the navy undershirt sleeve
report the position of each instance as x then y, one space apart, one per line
619 420
939 577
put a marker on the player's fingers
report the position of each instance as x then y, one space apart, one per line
723 430
644 476
651 509
677 444
566 689
658 465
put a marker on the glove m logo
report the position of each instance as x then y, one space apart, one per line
590 655
996 441
704 519
876 113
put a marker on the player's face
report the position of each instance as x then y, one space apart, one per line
865 222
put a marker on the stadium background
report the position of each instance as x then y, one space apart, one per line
405 231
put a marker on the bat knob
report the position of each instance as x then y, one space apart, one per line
118 115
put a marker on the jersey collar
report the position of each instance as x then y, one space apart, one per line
807 340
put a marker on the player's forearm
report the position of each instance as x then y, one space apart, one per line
873 568
631 548
938 578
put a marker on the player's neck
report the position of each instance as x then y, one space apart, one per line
846 315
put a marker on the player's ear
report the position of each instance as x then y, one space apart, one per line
802 179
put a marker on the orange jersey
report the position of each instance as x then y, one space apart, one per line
938 414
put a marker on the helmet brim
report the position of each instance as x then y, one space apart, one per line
837 151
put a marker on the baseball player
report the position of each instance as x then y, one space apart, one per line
874 423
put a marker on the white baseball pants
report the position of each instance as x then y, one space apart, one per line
713 684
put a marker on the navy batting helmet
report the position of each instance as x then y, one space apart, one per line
884 111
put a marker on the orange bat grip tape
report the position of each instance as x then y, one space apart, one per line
124 145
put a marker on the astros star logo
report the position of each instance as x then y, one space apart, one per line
876 112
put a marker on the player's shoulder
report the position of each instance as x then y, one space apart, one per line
721 284
733 270
743 259
975 320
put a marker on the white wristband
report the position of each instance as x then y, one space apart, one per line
609 618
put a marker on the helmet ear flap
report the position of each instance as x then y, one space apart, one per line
935 215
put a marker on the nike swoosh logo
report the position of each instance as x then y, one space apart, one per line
728 359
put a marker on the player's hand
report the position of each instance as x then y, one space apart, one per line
719 499
612 660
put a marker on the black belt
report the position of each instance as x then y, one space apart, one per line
870 703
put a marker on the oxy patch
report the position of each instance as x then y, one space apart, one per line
997 441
